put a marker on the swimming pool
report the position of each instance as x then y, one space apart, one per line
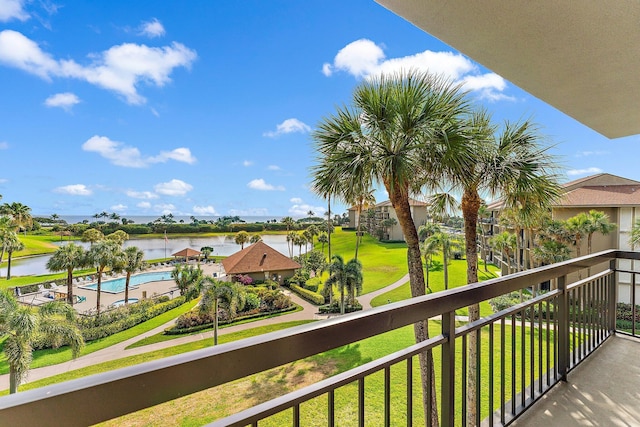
115 286
121 302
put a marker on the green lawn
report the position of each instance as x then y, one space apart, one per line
457 277
383 263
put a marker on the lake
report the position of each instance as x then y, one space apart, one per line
153 249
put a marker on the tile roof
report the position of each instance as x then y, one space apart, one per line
615 195
256 258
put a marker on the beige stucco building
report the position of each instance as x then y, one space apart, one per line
384 211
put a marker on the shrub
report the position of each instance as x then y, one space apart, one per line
313 297
335 308
251 301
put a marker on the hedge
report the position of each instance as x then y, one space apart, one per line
312 297
103 331
175 331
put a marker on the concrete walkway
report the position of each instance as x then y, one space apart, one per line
119 350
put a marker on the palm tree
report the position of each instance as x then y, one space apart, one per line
578 226
132 261
504 242
428 249
118 236
103 254
12 244
213 291
444 241
188 278
312 231
383 139
67 258
206 251
323 238
598 223
337 276
255 239
6 228
363 198
241 238
53 323
291 239
512 164
20 215
289 222
92 235
634 238
353 279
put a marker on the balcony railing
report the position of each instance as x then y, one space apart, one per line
521 352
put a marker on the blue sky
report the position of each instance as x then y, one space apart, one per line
206 108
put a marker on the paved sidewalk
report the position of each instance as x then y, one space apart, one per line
119 350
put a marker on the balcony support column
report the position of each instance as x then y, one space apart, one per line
613 293
563 329
448 368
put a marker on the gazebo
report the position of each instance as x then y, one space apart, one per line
187 253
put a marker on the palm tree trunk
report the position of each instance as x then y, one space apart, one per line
215 321
358 229
13 380
126 288
98 290
70 286
445 268
470 205
329 242
400 202
341 298
9 265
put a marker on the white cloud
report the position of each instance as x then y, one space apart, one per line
247 163
165 209
175 187
74 190
144 205
260 184
288 126
64 100
273 167
119 208
591 153
141 194
155 112
299 208
365 59
153 28
120 69
122 155
249 212
13 9
4 145
204 210
591 170
3 180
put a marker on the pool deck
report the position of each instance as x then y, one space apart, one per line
152 289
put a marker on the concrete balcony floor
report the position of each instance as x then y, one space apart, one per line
604 390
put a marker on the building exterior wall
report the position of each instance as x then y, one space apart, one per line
277 276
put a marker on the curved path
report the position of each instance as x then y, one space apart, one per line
119 350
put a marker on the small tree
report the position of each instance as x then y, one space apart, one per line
214 292
133 261
53 323
67 258
188 278
241 238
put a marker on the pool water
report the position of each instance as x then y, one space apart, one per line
121 302
115 286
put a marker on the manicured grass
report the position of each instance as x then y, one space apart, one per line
63 354
158 354
382 263
162 337
203 407
457 277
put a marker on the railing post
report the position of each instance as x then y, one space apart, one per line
613 294
448 369
563 329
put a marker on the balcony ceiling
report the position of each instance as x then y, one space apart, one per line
581 57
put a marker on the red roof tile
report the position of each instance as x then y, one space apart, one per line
256 258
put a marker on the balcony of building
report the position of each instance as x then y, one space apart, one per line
560 357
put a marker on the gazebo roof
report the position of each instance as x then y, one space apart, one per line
256 258
186 252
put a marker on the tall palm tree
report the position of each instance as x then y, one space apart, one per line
6 228
598 223
578 225
67 258
337 277
20 215
103 254
353 279
52 323
513 164
291 239
289 222
363 198
393 124
132 261
12 244
323 238
505 243
231 294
